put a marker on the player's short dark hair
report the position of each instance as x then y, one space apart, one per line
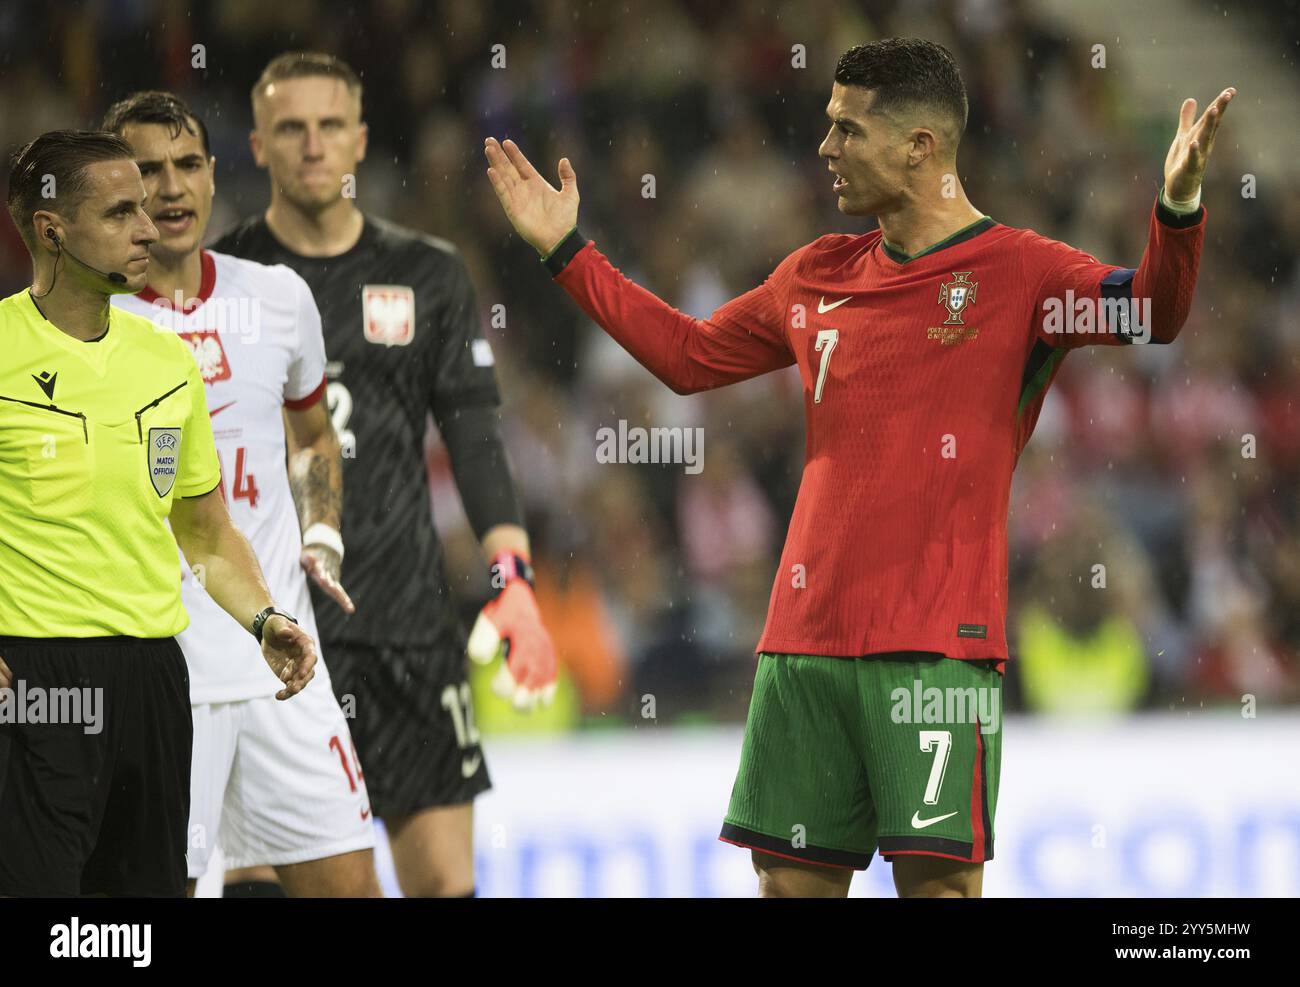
304 64
907 72
52 169
156 106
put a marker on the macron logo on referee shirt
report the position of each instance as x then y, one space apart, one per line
46 382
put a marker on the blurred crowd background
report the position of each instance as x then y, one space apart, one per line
1176 468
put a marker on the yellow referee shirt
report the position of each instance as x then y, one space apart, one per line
95 441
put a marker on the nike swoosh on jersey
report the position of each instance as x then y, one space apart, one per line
823 308
919 823
468 765
216 411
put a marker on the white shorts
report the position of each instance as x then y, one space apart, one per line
275 782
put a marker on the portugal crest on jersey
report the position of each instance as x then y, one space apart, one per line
388 313
956 295
164 458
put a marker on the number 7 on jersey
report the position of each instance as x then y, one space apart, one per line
826 340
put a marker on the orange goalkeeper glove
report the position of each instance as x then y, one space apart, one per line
510 627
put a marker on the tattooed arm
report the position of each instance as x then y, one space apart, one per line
316 479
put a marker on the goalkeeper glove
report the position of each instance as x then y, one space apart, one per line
510 626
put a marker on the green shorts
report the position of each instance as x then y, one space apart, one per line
844 756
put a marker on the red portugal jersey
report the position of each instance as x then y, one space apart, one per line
922 379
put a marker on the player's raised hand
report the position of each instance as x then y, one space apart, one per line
290 652
539 213
323 565
1185 163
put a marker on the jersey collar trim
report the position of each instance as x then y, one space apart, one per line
97 355
207 284
364 241
41 312
961 236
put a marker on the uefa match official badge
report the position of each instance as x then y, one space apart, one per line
388 313
956 295
164 458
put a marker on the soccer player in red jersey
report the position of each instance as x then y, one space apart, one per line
925 348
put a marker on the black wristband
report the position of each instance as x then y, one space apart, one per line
259 622
507 566
1177 221
558 259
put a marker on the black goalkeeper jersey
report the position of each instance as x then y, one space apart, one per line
402 337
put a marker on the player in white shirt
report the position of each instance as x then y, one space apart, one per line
272 783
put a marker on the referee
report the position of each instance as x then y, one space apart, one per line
104 437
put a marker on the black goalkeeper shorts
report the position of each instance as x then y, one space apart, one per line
94 767
412 719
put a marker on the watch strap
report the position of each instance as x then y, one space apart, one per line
259 622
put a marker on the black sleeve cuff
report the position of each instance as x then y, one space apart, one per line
215 486
1171 218
558 259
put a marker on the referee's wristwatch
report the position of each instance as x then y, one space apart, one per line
259 622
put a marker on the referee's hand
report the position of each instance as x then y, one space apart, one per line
290 652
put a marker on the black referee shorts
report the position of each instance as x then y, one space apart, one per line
98 801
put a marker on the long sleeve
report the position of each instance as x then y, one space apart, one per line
1166 277
742 339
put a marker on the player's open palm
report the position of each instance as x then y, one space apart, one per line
1190 151
324 565
290 652
539 213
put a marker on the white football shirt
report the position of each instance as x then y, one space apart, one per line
255 333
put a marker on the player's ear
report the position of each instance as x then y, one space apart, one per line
255 145
363 138
212 174
922 146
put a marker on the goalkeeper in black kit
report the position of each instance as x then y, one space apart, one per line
402 338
